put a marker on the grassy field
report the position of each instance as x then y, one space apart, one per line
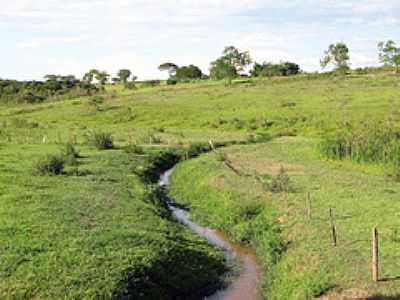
247 209
95 232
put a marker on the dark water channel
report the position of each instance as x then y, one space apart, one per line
244 285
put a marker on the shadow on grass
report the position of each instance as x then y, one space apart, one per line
182 273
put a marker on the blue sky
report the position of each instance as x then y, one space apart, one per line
69 37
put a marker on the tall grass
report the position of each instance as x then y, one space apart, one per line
370 142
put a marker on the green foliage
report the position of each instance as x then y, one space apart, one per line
389 54
12 91
50 164
170 67
70 154
270 69
103 236
124 75
338 55
188 73
220 69
172 81
151 83
281 182
134 148
131 85
157 163
370 142
101 140
195 149
229 64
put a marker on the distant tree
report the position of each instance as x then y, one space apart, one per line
186 73
229 64
389 54
89 76
270 69
235 58
102 77
124 74
51 77
220 69
290 68
170 67
116 79
338 55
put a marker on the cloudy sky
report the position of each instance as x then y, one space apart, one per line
39 37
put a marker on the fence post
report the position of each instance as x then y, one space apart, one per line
309 205
375 255
333 228
211 145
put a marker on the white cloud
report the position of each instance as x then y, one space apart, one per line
43 42
140 34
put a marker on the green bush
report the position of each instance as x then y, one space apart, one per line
131 85
280 183
101 140
70 154
172 81
134 149
49 165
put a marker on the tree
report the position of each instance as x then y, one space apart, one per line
170 67
187 73
220 69
102 77
389 54
51 77
338 55
88 77
270 69
124 74
232 56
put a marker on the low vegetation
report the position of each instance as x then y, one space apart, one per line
100 229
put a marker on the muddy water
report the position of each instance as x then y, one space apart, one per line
242 287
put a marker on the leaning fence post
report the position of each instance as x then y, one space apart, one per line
375 255
333 228
309 205
211 144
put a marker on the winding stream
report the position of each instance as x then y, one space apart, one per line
242 287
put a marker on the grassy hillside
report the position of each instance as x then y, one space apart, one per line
92 230
245 204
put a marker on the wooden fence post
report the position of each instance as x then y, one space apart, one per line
211 145
375 255
333 228
309 205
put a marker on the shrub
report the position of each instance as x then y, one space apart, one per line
101 140
131 85
281 182
158 163
134 149
151 83
49 165
70 154
258 138
172 81
196 149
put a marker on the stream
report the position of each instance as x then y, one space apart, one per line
244 285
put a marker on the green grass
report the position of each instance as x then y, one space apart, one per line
219 197
94 231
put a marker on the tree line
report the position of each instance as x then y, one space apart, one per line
231 64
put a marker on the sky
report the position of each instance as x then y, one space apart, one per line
40 37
